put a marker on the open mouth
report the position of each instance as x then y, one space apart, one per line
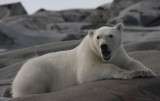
106 52
106 55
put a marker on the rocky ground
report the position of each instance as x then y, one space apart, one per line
141 40
19 30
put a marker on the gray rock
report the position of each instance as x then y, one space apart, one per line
37 21
14 9
68 27
43 20
47 20
12 38
5 99
5 41
113 9
75 15
73 37
118 5
144 13
41 10
96 17
20 38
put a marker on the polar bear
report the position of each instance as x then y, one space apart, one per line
99 56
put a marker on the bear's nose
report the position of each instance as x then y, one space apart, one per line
104 47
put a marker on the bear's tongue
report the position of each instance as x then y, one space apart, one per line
106 55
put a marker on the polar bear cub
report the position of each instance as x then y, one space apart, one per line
99 56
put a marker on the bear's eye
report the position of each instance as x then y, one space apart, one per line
110 36
98 37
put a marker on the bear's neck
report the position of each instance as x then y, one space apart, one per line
85 45
87 48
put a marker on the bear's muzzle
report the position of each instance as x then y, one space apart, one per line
106 52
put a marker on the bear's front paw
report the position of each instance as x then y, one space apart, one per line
145 73
129 75
125 75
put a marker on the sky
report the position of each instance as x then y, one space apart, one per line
33 5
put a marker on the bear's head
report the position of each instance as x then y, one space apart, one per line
106 40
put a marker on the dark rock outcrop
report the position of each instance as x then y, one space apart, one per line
113 9
118 5
144 13
5 41
13 38
9 10
37 21
73 37
75 15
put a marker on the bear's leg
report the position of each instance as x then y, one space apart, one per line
31 82
139 68
104 71
27 87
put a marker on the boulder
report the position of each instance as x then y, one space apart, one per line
74 37
37 21
13 38
118 5
5 41
75 15
144 13
113 9
14 9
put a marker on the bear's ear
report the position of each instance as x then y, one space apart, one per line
91 32
119 27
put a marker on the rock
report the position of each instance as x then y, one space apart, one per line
12 38
14 9
75 15
3 50
106 6
96 17
90 26
68 27
5 41
74 37
155 22
7 92
138 34
139 89
113 9
44 20
118 5
144 13
41 10
37 21
5 99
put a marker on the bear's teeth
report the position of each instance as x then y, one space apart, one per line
107 56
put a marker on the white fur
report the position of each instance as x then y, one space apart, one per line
59 70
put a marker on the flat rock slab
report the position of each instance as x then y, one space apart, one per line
106 90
